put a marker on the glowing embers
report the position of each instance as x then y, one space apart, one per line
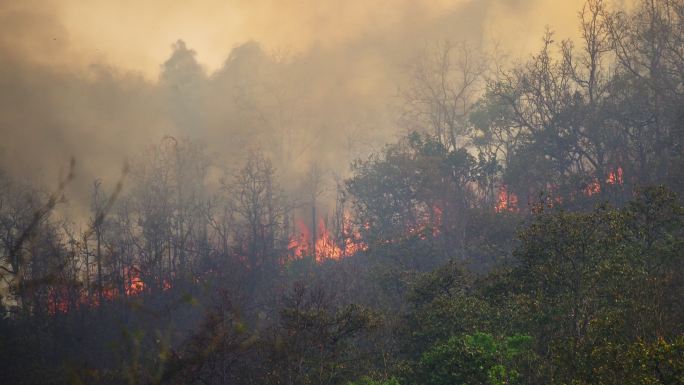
507 201
59 300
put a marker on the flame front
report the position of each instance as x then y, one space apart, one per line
60 299
326 245
507 201
614 178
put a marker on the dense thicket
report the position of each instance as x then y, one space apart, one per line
532 233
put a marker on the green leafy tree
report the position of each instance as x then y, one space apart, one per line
477 358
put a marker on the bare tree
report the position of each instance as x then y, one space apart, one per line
258 203
25 214
446 83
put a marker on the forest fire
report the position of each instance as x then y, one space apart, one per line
614 178
326 248
325 245
594 187
429 223
300 243
436 220
343 194
61 299
507 201
134 284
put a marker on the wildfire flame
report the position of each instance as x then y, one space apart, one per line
300 242
134 284
594 187
326 246
61 299
614 178
507 201
437 220
431 220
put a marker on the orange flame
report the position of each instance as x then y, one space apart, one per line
615 176
507 201
61 300
430 220
134 284
326 246
299 243
58 300
594 187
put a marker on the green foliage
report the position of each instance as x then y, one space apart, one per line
584 290
475 359
607 277
370 381
640 363
586 293
414 190
441 306
315 341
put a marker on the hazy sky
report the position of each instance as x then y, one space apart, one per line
309 80
136 35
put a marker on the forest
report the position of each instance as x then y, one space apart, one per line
526 227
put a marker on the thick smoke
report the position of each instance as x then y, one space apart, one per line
306 82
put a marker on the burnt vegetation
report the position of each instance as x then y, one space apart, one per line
527 229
